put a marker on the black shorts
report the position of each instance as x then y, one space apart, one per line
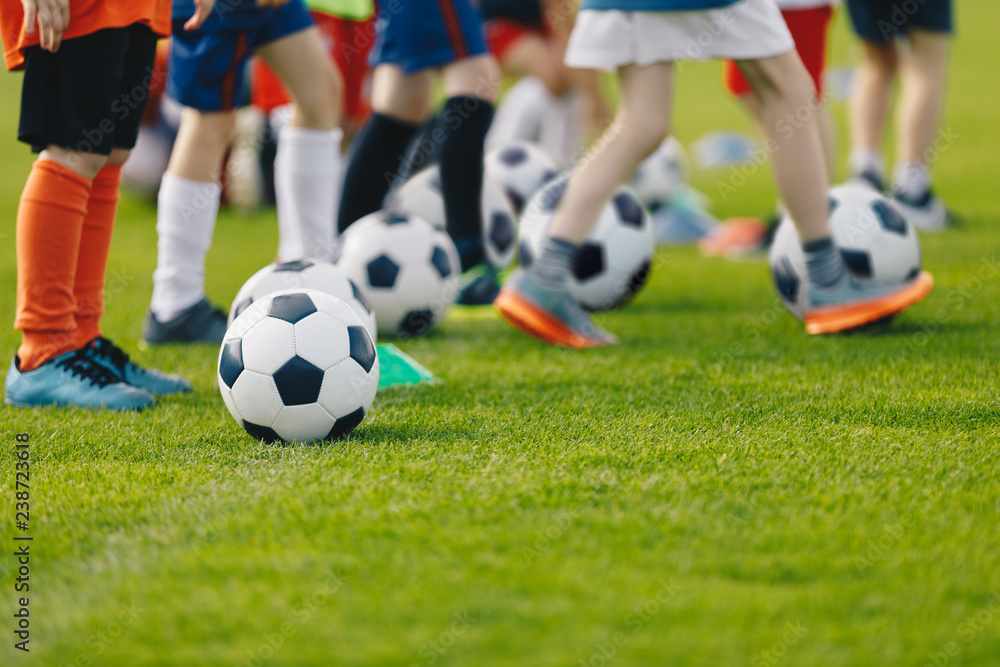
88 96
881 21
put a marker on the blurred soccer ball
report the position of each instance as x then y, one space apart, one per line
304 274
298 366
660 175
878 244
406 268
521 168
423 196
614 262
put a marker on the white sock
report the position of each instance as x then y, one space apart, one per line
912 179
865 159
307 187
185 220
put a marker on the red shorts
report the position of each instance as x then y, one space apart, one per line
349 43
810 29
501 35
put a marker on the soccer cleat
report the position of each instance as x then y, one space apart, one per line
927 212
201 323
735 237
470 251
102 351
478 286
552 315
72 379
850 305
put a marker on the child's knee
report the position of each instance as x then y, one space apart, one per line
320 103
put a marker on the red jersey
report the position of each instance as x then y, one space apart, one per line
85 17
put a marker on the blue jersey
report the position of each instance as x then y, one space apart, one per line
657 5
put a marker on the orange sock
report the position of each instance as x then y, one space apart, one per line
95 243
49 227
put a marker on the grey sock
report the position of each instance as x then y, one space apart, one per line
555 262
824 263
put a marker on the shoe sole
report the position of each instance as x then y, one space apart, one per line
21 404
538 323
834 319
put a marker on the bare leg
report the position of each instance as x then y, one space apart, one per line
404 97
641 124
304 66
201 142
869 102
787 101
824 121
923 77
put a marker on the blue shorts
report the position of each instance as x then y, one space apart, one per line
207 66
881 21
426 34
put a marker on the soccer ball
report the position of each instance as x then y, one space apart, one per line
521 168
614 262
878 244
406 268
298 366
304 274
423 196
660 175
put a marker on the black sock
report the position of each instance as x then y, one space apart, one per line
424 150
465 121
378 153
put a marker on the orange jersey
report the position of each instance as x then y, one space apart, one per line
85 17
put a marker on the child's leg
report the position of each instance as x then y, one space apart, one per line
400 104
307 166
471 86
187 210
537 301
869 101
781 87
923 76
836 301
640 126
531 55
49 228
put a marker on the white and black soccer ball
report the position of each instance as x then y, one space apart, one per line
614 263
660 175
878 244
521 168
423 196
298 366
304 274
407 269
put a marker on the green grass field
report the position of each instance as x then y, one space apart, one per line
720 489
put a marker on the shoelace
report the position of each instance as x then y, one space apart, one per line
118 356
82 367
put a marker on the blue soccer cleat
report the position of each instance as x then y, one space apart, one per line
72 379
479 286
117 362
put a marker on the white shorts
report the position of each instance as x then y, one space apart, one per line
608 39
